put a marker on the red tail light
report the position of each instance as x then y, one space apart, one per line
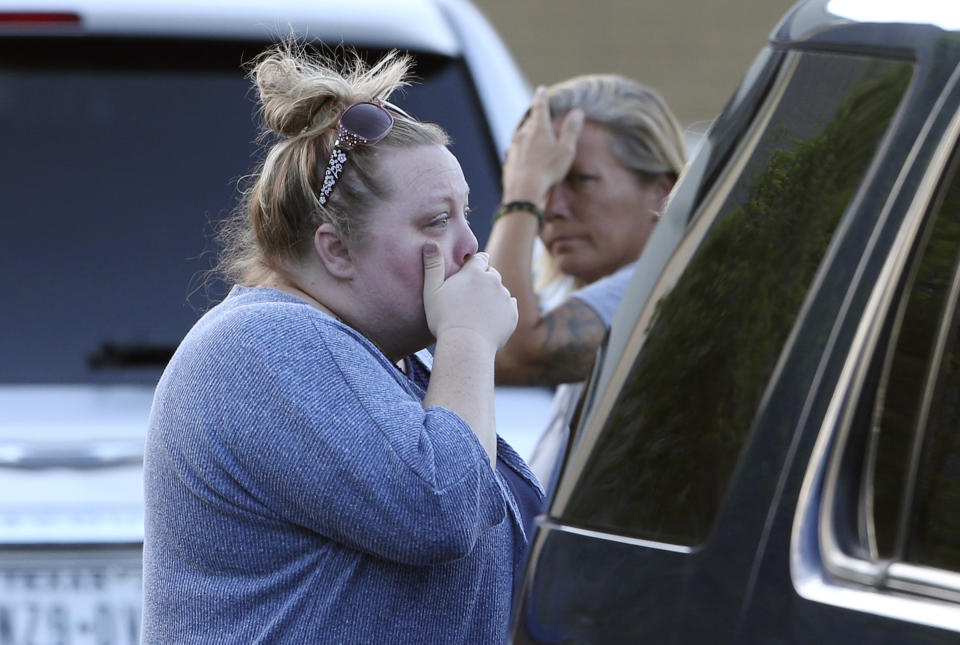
38 18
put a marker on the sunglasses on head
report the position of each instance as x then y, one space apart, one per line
362 124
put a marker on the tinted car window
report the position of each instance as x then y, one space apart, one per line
913 487
119 158
663 458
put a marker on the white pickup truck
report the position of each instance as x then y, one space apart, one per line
126 127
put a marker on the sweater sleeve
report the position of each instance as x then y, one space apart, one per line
310 425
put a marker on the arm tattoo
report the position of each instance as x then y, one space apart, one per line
574 332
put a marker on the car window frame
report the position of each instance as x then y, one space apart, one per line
822 566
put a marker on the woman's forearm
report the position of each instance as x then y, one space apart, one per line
471 315
510 247
462 381
539 157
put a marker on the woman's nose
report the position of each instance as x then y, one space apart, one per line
557 203
467 246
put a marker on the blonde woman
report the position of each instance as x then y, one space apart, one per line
589 171
308 479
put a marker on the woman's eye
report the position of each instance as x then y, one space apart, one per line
441 221
467 212
580 182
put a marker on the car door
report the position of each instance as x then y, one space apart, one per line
673 517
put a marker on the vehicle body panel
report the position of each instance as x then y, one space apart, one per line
762 572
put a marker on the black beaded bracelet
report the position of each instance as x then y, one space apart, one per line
519 206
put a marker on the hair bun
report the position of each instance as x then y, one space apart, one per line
299 92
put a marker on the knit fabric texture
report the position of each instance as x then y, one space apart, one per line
297 491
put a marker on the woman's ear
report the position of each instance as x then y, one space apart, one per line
663 185
333 251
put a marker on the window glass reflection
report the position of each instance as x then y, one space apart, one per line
916 467
662 462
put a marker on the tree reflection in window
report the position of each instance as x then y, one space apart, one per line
664 458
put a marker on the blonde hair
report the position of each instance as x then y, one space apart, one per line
302 96
647 138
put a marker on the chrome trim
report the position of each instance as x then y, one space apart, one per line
553 525
73 525
100 454
820 570
890 604
925 580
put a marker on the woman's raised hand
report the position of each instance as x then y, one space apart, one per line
540 157
472 300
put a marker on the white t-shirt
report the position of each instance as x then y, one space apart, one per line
603 296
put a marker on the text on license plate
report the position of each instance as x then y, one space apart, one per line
70 604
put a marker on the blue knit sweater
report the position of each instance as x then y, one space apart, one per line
298 492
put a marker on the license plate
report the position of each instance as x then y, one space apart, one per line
70 601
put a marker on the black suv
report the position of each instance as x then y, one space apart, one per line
769 446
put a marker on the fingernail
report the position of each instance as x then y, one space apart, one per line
430 250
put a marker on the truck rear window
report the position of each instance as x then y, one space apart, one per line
120 156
